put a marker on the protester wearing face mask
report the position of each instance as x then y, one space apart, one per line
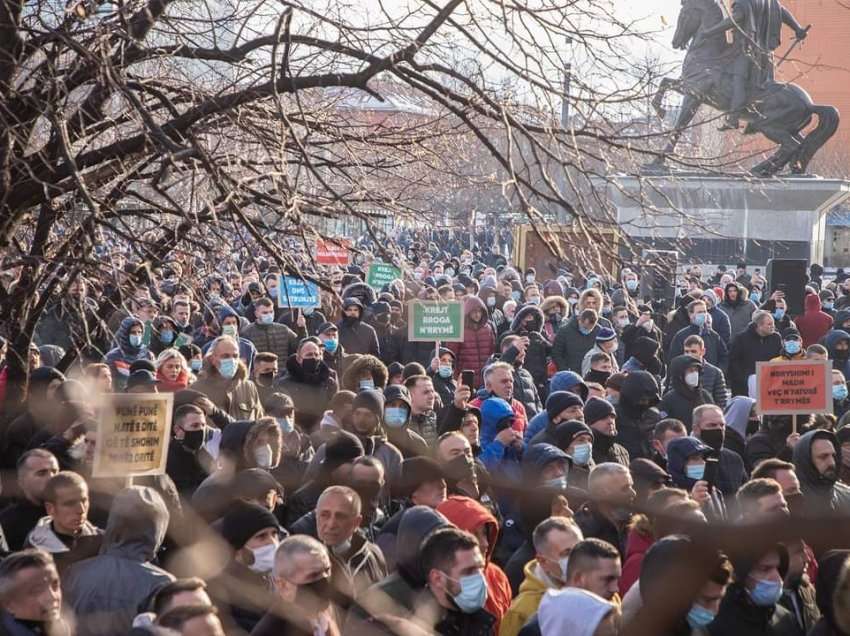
715 349
686 393
454 571
528 323
792 346
163 335
442 373
840 402
396 422
270 336
553 540
225 381
129 341
228 323
709 426
239 592
188 463
354 334
309 382
686 461
575 339
751 604
555 311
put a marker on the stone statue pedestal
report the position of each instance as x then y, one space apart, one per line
721 219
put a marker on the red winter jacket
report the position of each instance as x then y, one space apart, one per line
469 515
638 542
479 340
813 324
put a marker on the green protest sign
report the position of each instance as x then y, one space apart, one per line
380 274
435 320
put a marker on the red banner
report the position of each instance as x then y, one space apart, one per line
794 387
333 252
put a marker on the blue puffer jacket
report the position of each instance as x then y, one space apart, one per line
561 381
495 455
124 354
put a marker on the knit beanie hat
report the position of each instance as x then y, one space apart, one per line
372 399
243 520
344 447
597 409
559 401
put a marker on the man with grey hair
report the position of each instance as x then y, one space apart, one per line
224 380
499 382
759 342
607 513
709 426
356 562
553 540
302 582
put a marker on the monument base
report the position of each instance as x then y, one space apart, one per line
720 219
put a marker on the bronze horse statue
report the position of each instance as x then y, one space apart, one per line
776 110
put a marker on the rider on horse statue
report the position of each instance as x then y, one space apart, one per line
755 27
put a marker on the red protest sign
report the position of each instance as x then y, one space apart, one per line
794 387
332 252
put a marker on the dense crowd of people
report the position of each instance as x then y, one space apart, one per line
328 476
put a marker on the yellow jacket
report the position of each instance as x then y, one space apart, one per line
526 602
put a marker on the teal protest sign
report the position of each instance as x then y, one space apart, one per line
380 274
297 293
435 320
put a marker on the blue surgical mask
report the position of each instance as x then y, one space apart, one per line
534 300
695 471
839 392
285 424
473 593
227 367
792 347
828 305
766 593
583 331
166 336
265 319
631 285
135 340
395 416
699 617
445 371
491 301
755 297
778 313
557 482
330 345
699 319
367 385
196 364
516 295
581 454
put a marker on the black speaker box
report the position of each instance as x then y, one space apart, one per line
789 275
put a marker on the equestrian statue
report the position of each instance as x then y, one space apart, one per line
729 65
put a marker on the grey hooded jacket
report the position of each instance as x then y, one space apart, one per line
108 590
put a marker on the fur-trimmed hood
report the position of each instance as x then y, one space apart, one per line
360 364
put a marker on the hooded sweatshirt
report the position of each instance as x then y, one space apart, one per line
479 339
821 494
840 361
124 354
814 323
636 413
106 591
681 400
467 514
572 611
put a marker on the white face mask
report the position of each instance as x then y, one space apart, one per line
692 378
263 456
563 563
264 558
648 325
77 451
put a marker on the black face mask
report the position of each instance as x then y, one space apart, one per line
602 443
349 321
597 376
310 366
713 438
193 440
461 468
315 596
265 379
